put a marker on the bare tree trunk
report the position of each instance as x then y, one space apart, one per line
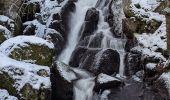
168 24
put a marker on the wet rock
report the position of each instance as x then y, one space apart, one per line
83 56
29 30
96 60
132 42
56 38
136 91
91 22
65 12
108 61
77 55
62 87
58 26
133 63
96 40
105 82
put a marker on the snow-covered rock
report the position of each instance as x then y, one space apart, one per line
24 79
104 82
29 49
4 34
62 76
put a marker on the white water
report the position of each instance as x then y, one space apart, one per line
83 87
77 19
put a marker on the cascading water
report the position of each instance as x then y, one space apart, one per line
76 21
83 87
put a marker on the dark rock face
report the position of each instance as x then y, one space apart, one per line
61 88
96 40
56 39
60 20
104 82
137 91
133 63
82 55
29 11
29 30
109 62
96 60
132 42
90 24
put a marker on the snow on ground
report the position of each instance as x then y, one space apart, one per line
150 42
4 95
47 9
12 43
24 73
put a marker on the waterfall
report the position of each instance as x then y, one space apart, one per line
76 21
83 86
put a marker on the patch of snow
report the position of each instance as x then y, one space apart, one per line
4 95
3 18
103 78
151 65
12 43
24 73
147 4
40 28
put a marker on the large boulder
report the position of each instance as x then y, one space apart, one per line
56 38
105 82
24 80
96 60
133 63
91 22
29 49
61 81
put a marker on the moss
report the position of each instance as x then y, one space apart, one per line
2 37
42 55
28 93
6 82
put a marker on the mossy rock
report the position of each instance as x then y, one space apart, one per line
134 25
28 93
38 54
6 82
2 37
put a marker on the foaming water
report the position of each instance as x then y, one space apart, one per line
76 21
